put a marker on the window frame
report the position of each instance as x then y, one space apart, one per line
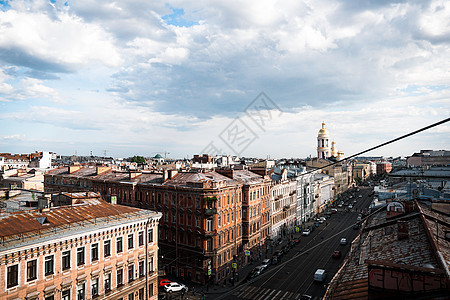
8 276
47 262
66 258
35 270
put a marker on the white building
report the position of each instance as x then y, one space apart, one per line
305 193
323 191
284 204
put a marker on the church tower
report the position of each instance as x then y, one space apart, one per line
323 139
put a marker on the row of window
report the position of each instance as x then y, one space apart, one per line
81 292
49 264
31 273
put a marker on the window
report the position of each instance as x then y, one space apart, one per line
80 256
48 268
131 296
51 297
31 270
81 291
107 248
94 252
66 260
150 235
94 287
119 277
130 273
119 244
141 238
65 295
150 264
130 241
107 282
141 269
13 276
197 221
141 294
150 290
209 225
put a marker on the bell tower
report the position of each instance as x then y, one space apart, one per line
323 140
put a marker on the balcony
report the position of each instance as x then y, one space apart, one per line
210 211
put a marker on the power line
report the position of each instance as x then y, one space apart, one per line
381 145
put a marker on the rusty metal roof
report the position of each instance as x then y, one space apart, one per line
22 225
379 241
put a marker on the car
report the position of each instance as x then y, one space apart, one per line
320 275
350 206
266 262
321 221
336 254
340 205
305 297
297 240
259 269
175 287
343 241
164 282
334 210
278 254
275 260
357 190
323 218
306 232
360 196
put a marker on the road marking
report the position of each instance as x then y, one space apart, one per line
284 295
247 291
277 294
268 296
258 295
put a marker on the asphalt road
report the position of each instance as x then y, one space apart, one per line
293 277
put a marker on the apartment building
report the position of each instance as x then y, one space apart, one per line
90 249
284 204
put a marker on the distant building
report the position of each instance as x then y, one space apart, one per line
403 252
41 160
23 179
87 250
323 145
384 167
429 158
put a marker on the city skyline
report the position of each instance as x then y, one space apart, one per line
146 78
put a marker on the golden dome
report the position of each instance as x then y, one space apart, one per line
323 130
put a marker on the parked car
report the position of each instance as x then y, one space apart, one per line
336 254
305 297
164 282
306 232
340 205
175 287
275 260
266 262
350 206
343 241
334 210
323 219
360 196
259 269
278 254
297 240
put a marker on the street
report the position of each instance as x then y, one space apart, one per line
293 277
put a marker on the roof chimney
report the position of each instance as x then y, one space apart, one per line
402 228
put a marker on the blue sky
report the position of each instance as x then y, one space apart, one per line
139 78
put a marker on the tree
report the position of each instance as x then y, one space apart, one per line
138 159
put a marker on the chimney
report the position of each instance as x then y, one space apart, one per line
134 174
101 169
402 228
74 168
169 174
226 172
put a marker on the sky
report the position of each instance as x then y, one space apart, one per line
247 78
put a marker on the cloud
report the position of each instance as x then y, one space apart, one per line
178 73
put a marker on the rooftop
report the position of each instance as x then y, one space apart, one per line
33 226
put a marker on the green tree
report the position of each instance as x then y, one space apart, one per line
138 159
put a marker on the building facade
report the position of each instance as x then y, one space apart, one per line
88 250
284 205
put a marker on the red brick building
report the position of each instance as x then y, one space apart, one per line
87 250
201 231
